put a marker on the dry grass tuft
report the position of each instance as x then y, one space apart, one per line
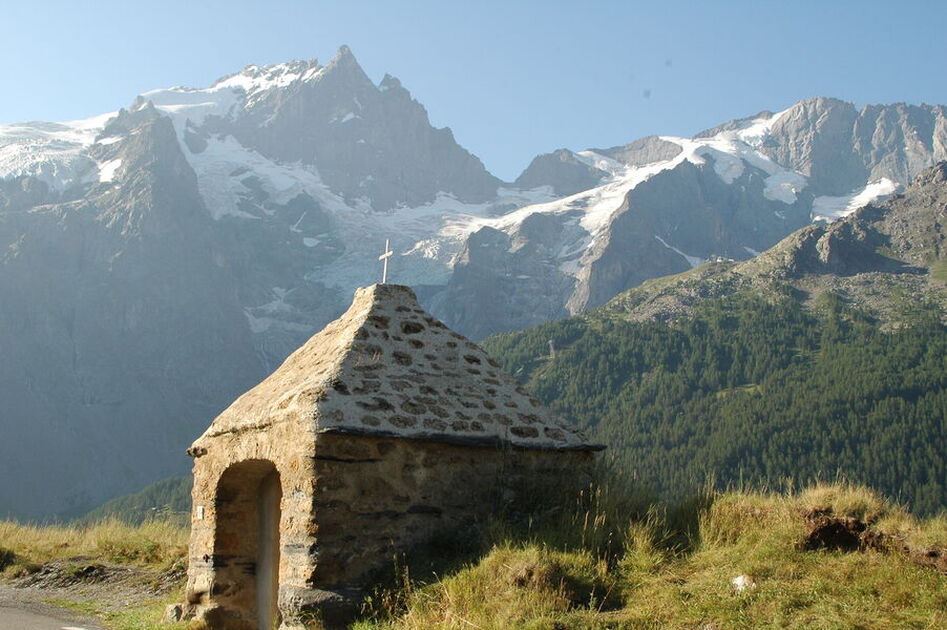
847 500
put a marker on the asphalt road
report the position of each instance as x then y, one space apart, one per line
16 619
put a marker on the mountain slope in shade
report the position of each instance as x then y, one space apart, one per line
120 329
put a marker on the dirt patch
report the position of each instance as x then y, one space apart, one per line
830 532
64 574
170 579
873 540
844 533
77 573
110 587
552 577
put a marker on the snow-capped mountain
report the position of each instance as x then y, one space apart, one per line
663 205
158 260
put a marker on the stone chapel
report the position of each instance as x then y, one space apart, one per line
382 430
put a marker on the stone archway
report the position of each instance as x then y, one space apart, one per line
246 545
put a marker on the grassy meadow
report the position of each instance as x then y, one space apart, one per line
739 559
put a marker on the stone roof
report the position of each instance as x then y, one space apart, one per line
387 368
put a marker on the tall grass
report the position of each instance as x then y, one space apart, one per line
595 519
613 558
542 558
153 543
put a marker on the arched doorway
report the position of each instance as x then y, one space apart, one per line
246 544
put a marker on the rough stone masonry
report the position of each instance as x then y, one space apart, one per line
383 430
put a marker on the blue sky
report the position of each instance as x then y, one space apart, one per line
512 79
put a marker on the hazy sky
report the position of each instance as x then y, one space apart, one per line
512 79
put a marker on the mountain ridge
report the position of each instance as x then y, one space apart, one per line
857 243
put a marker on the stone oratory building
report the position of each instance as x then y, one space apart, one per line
381 431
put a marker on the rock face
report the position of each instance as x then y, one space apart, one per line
839 148
367 142
649 150
563 171
156 260
674 221
381 431
112 306
693 208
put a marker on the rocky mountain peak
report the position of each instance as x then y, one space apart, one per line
733 125
344 64
821 104
146 186
839 148
369 143
140 111
343 57
647 150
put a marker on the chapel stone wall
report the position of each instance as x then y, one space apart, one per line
376 498
210 569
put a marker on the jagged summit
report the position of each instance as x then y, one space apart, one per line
343 55
563 171
254 78
344 64
388 368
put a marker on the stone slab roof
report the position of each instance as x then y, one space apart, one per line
388 368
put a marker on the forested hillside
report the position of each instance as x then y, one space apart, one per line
752 389
167 499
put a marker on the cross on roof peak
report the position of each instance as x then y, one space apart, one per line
385 256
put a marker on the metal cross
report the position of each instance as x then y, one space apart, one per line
388 254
